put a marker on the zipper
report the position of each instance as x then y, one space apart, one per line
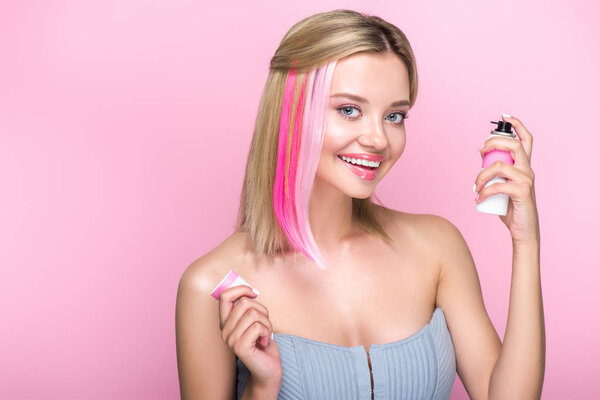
370 372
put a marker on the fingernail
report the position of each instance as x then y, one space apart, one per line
255 291
506 115
271 335
474 186
476 196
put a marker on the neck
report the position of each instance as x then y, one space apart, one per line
330 216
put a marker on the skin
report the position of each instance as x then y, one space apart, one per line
373 292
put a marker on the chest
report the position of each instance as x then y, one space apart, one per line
365 298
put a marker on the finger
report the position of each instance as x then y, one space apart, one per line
504 170
249 318
244 303
515 147
517 191
524 135
247 340
228 297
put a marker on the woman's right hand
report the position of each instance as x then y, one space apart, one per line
246 328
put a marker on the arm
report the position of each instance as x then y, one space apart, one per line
255 391
206 366
519 371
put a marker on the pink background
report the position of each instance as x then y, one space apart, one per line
124 131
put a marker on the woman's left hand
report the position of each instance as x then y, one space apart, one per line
521 217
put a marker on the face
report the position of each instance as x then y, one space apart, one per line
363 122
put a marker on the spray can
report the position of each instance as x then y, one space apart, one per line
498 203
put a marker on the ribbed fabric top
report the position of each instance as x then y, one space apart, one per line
421 366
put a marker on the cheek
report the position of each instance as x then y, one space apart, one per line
398 143
336 139
325 164
340 133
332 145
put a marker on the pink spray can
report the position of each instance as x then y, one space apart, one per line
498 203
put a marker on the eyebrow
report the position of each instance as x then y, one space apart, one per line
363 100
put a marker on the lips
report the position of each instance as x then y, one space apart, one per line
366 173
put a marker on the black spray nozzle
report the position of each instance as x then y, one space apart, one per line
503 126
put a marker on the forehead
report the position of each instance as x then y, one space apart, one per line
376 76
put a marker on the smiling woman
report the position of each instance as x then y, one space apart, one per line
304 95
356 300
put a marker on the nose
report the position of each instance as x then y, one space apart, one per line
376 138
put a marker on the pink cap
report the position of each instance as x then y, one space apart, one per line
494 155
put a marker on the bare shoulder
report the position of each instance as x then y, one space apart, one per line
423 223
447 243
206 272
429 231
198 333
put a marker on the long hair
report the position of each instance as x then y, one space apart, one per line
290 126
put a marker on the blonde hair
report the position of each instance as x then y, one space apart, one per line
289 128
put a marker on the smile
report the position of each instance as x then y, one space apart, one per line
365 169
361 162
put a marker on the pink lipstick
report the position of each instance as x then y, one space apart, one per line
366 172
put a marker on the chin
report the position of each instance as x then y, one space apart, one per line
361 195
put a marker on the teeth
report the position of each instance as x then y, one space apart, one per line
361 162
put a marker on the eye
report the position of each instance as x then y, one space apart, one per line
403 116
344 109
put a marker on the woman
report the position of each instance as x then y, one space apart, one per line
364 301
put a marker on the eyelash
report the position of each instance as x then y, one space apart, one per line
404 116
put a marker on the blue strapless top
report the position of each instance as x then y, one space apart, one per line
421 366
